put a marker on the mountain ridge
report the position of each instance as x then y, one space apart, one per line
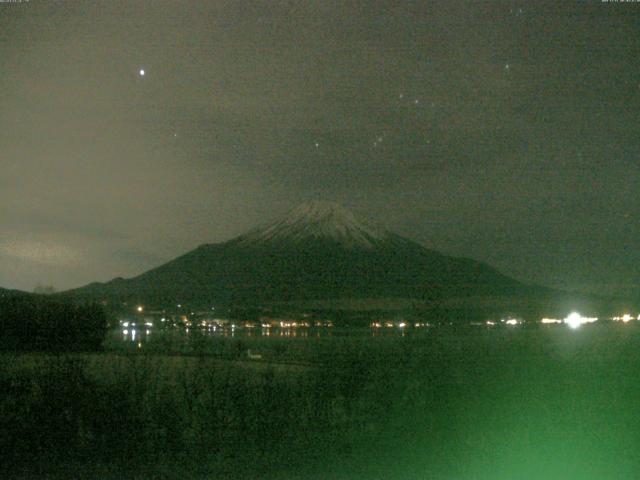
317 251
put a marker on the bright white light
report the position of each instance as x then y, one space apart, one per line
126 332
133 335
141 72
511 321
125 324
574 320
490 323
402 325
626 318
140 308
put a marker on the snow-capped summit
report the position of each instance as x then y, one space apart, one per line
318 220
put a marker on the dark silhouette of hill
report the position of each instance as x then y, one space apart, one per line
7 293
31 322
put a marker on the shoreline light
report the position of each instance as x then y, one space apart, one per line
550 320
575 320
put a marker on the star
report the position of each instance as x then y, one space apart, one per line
141 72
317 144
507 66
416 101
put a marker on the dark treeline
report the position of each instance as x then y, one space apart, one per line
36 323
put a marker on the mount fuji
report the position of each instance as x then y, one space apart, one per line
317 252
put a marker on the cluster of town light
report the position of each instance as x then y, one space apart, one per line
625 318
574 320
401 324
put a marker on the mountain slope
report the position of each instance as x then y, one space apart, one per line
317 251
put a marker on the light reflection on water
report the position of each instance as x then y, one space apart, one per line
143 335
133 330
140 334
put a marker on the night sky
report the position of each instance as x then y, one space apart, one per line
503 131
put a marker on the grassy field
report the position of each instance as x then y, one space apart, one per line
547 403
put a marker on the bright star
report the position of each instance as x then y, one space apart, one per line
141 72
